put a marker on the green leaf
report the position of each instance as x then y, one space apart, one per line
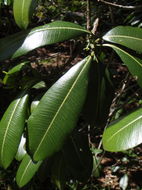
26 170
23 42
40 85
77 156
23 11
13 74
133 63
57 113
124 134
130 37
11 128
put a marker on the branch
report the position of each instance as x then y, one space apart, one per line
88 16
120 6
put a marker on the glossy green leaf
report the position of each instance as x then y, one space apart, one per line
11 128
23 11
124 134
21 43
77 156
133 63
130 37
26 170
56 115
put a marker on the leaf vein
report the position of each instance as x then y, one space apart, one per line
60 107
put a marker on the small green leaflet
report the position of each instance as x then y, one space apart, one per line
133 63
124 134
26 170
12 75
23 11
128 36
23 42
56 115
5 2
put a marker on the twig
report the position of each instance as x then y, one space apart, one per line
121 6
117 97
114 103
88 15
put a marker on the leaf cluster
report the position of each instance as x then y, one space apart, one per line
41 131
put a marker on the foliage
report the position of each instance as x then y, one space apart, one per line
47 122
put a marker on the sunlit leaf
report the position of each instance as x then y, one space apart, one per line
128 36
21 43
124 134
21 149
133 63
11 128
57 113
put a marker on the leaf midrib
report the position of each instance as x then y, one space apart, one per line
123 36
124 127
60 107
8 126
42 30
23 3
25 171
58 27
